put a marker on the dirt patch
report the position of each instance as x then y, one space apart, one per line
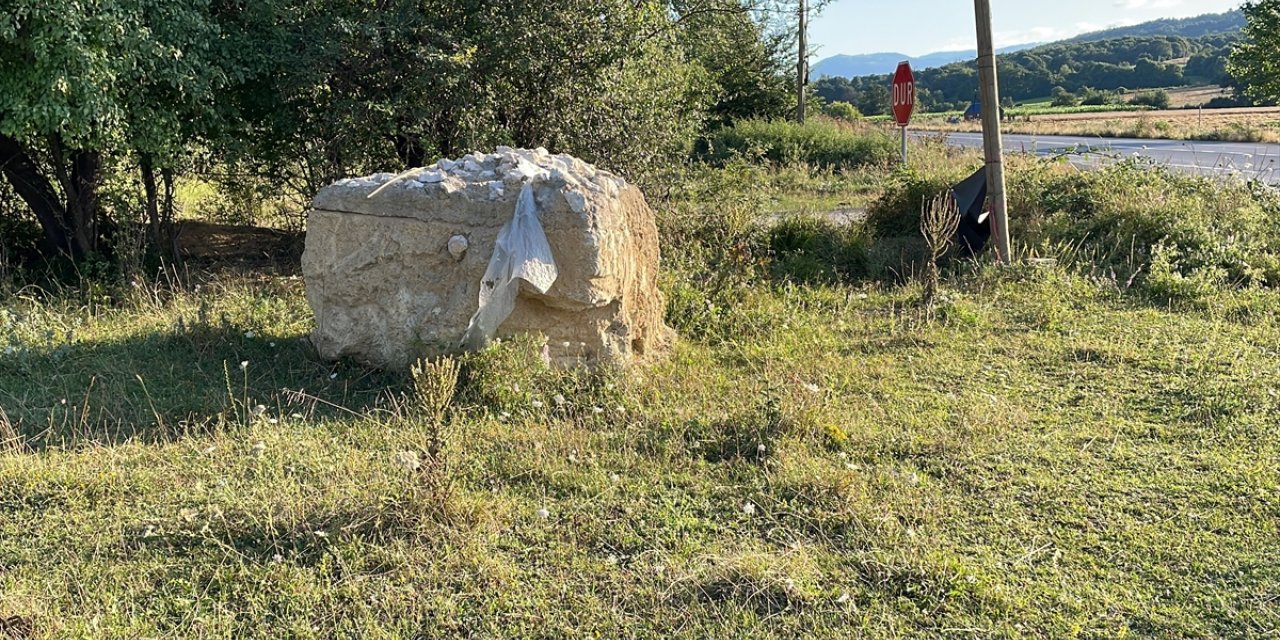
216 247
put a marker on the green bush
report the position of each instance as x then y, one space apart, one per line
842 111
1178 236
819 143
897 212
1158 99
1064 98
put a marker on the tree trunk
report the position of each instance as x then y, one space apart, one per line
80 193
167 234
37 191
153 200
86 176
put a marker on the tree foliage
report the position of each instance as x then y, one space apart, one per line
1255 61
293 94
84 86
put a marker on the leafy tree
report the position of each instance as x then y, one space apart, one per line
1254 61
876 100
1092 97
1063 98
85 86
1158 99
842 111
358 85
751 67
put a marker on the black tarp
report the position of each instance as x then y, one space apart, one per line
975 223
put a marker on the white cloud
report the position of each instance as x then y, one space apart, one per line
1147 4
1027 36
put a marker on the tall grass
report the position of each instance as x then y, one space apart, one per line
820 142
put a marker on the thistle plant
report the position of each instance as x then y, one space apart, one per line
939 221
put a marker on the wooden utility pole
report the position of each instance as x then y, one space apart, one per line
991 143
802 64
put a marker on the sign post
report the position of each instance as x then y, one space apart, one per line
904 100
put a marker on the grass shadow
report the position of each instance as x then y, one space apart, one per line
165 384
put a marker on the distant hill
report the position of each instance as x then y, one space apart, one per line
1096 67
1196 27
852 66
869 64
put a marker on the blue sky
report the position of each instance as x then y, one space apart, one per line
916 27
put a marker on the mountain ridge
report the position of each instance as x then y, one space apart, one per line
869 64
865 64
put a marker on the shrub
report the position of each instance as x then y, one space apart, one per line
897 212
1158 99
1178 236
842 111
820 143
1064 98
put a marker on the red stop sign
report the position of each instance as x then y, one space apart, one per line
904 93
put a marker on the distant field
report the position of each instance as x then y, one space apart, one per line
1254 124
1195 96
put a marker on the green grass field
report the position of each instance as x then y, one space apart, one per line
1049 451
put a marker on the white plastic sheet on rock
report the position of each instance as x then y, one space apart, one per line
520 253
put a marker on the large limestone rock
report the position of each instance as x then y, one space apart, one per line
393 264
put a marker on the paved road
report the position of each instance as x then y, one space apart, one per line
1248 160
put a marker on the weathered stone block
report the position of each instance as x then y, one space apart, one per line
393 267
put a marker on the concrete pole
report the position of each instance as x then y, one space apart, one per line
802 63
991 143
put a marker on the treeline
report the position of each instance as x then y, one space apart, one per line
104 106
1076 67
1193 27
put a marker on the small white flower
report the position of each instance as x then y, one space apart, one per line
544 513
811 387
408 460
277 558
537 404
273 421
749 508
612 559
566 344
271 344
558 399
597 410
244 364
258 449
615 478
333 376
321 534
296 416
250 335
64 401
